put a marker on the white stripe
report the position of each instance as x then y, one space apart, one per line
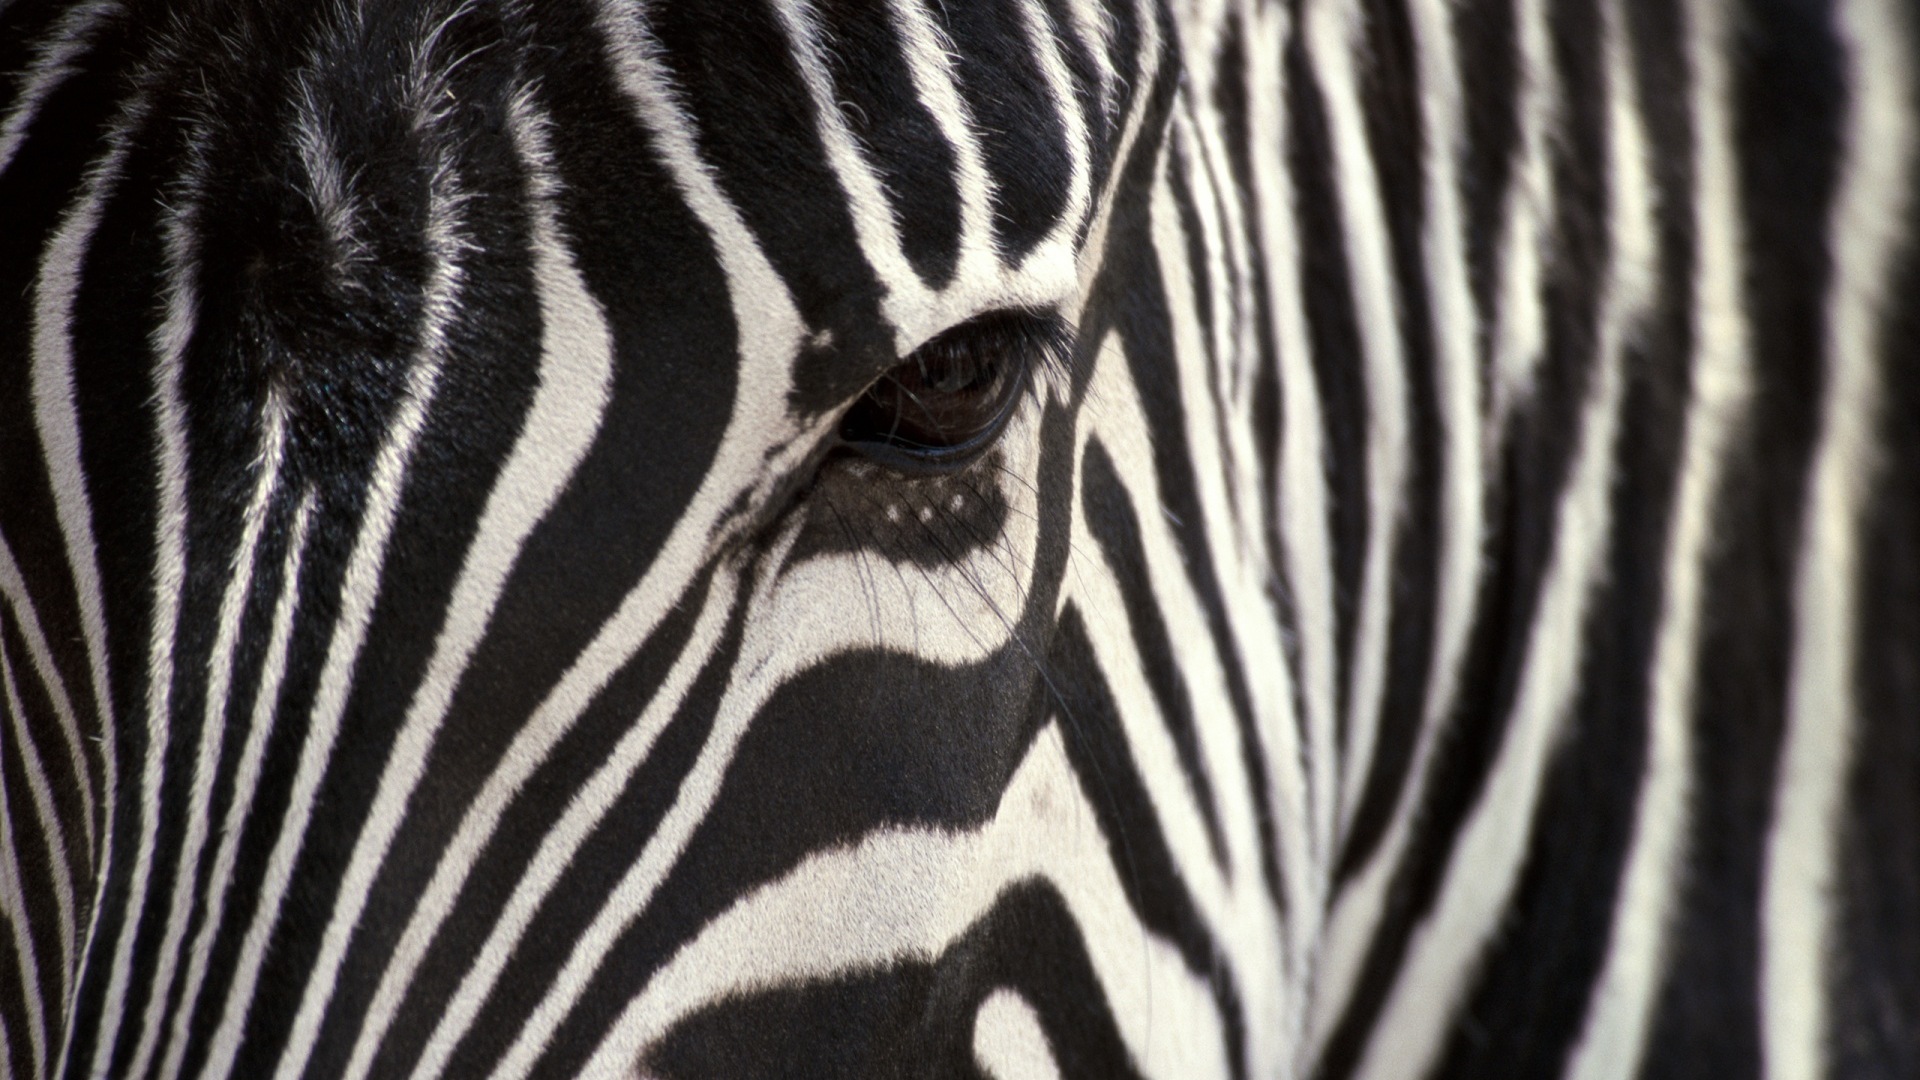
911 893
213 727
66 42
1202 26
1094 27
815 608
1300 492
13 908
752 456
576 374
328 189
1517 336
169 342
1492 843
1045 42
1456 361
60 856
1330 26
1526 231
929 58
1009 1042
13 588
585 811
1253 646
246 780
1093 250
56 418
1870 223
359 590
913 312
1614 1037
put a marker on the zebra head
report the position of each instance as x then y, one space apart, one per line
1026 538
574 538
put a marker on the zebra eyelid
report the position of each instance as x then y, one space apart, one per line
993 360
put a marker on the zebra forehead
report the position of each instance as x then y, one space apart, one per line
899 169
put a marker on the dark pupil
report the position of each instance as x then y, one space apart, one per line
948 393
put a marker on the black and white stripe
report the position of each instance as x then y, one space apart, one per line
1445 603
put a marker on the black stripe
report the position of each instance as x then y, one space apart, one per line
249 663
1876 982
1388 94
1022 135
1116 529
42 724
499 867
114 316
1535 986
915 1020
1536 462
1787 102
33 873
1333 337
916 164
758 132
1131 300
16 986
1490 90
587 882
37 189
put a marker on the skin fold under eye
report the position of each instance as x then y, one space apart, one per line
949 399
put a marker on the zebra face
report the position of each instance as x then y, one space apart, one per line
1021 538
597 536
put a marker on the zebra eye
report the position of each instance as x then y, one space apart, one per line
950 398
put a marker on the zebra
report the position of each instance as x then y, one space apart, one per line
1022 538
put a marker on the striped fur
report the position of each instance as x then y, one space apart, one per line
1453 609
